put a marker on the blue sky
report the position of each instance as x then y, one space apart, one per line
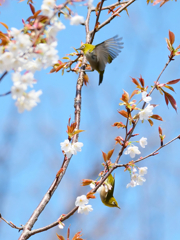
30 154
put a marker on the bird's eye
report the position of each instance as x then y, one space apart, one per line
113 203
83 47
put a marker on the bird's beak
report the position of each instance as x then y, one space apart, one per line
78 48
118 207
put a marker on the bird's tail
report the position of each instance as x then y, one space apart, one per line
101 77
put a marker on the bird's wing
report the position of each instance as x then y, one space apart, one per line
108 50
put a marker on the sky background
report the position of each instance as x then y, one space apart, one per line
30 154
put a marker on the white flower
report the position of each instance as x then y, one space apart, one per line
17 90
85 209
143 142
134 170
13 48
76 147
49 3
81 201
90 4
131 184
146 113
146 98
23 42
134 177
28 100
65 146
61 225
76 20
16 77
28 79
15 32
140 180
46 11
143 171
132 150
7 58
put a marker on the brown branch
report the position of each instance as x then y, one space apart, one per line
54 223
4 94
110 6
4 74
113 16
11 224
95 27
151 154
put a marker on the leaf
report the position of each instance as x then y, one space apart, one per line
66 58
104 156
6 26
173 81
151 122
77 131
141 81
37 13
68 232
110 153
136 82
160 130
157 117
171 37
60 237
171 100
123 113
125 97
90 195
169 87
32 8
118 125
86 182
77 236
133 93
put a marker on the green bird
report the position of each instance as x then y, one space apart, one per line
101 54
106 193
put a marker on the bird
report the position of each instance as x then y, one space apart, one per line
106 193
101 54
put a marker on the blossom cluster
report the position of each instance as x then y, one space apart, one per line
147 112
25 56
47 8
133 150
81 202
70 148
137 178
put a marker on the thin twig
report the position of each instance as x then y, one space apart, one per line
110 6
4 74
97 19
113 16
11 224
4 94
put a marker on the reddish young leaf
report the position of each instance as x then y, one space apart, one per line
136 82
157 117
169 87
104 156
32 8
171 37
133 93
141 81
86 182
125 96
173 81
37 13
6 26
151 122
68 232
118 125
166 99
110 153
77 236
160 130
123 113
90 195
171 100
60 237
